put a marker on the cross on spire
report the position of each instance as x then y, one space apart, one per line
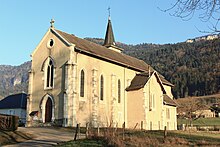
52 23
109 12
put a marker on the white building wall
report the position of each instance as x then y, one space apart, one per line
109 110
21 113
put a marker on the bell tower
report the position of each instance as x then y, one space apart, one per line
109 41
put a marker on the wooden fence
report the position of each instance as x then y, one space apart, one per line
106 132
8 122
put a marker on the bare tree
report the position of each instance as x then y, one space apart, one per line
191 108
208 10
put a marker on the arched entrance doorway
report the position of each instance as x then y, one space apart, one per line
47 108
48 111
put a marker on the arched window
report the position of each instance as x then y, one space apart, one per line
49 73
101 87
151 101
119 91
82 84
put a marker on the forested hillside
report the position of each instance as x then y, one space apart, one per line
194 68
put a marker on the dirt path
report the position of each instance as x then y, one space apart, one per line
46 136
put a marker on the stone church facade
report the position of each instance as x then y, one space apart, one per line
73 80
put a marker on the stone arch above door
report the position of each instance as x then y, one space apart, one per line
47 108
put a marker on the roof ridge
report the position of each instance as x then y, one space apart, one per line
79 38
125 57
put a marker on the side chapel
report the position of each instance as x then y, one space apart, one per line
73 80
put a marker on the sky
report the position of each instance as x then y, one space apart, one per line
23 23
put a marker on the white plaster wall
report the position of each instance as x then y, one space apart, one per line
21 113
168 91
172 120
110 102
154 115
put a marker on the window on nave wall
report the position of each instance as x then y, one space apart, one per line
49 82
168 113
82 83
119 91
151 101
101 87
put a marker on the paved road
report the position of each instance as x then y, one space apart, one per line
44 137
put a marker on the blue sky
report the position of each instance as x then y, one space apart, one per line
24 23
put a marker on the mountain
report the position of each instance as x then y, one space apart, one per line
194 68
13 79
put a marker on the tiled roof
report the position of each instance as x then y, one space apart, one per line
96 50
164 81
168 101
101 52
14 101
138 81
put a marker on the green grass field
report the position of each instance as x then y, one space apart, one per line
84 143
201 121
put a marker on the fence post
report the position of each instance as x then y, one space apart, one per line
123 133
87 130
165 132
98 131
77 126
79 131
116 128
142 124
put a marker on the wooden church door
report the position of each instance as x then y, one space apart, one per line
48 111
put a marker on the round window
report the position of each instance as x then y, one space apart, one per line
50 43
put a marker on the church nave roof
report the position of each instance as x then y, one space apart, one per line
98 51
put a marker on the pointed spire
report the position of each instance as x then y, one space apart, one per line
109 36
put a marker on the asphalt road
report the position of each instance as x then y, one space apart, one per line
45 136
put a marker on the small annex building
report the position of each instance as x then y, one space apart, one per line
15 105
73 80
153 105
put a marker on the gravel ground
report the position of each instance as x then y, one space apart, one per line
45 136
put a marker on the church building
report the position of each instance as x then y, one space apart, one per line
73 80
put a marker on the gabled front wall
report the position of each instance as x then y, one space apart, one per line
60 54
154 111
146 108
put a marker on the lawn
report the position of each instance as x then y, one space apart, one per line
84 143
151 138
201 121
